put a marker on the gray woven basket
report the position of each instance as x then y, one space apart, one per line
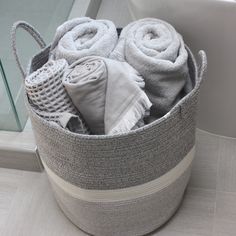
127 184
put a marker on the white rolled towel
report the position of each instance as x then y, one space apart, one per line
157 52
82 37
108 94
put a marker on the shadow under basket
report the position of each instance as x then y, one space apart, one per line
127 184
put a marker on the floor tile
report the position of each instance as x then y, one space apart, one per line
205 165
35 212
226 179
7 193
196 214
225 216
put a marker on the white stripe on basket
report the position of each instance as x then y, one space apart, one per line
124 193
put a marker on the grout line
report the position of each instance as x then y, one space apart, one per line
206 189
227 192
217 178
218 163
214 216
215 135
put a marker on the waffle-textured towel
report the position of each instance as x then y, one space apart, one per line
49 98
108 94
157 52
65 120
82 37
45 89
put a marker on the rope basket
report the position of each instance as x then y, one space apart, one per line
123 184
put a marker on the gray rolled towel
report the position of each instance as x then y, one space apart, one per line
82 37
157 52
108 94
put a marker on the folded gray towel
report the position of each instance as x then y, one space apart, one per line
108 94
157 52
82 37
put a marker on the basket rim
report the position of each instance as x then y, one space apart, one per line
174 110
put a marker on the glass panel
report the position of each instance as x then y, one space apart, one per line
9 119
45 16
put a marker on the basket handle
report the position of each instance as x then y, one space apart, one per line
200 77
33 32
202 66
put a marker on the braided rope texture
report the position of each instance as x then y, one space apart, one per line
131 217
115 161
33 32
119 161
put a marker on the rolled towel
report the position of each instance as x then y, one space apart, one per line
48 96
82 37
45 89
108 94
157 52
